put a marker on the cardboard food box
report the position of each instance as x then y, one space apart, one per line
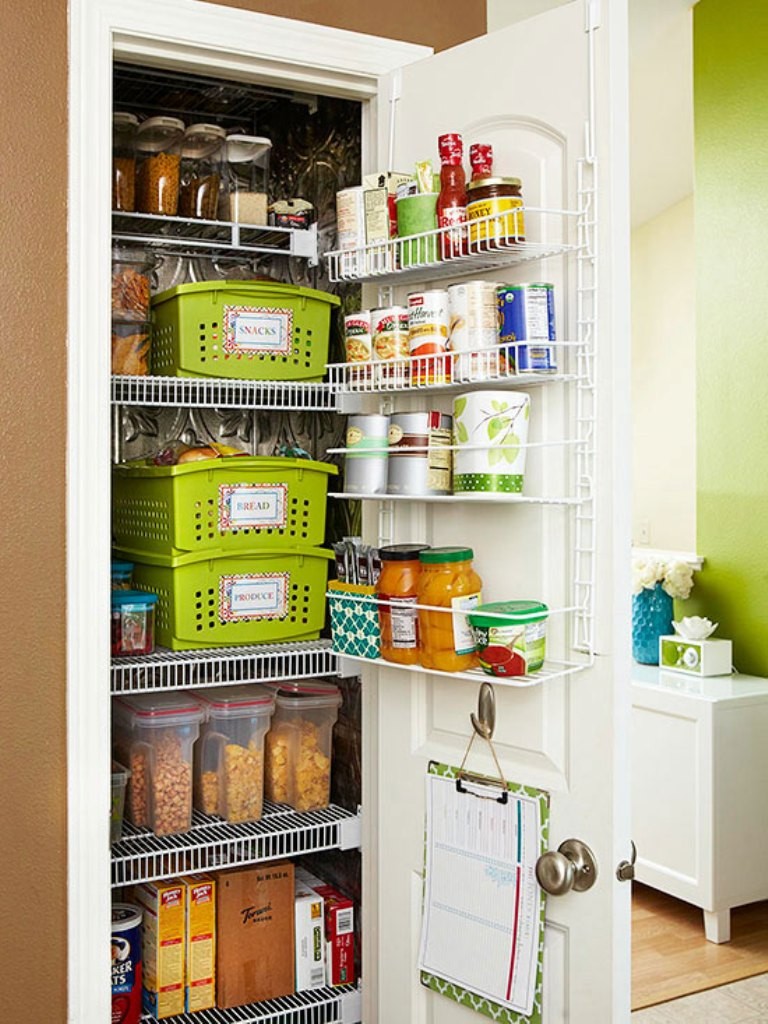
339 930
200 945
254 933
310 938
162 943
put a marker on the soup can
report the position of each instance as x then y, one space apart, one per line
357 343
365 463
428 336
126 963
474 330
389 338
490 430
527 313
420 454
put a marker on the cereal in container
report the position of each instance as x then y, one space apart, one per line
447 580
158 156
124 128
202 155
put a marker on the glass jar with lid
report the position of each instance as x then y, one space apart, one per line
245 195
158 158
398 586
447 580
124 128
500 202
202 155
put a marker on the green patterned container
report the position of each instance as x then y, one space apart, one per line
494 427
354 622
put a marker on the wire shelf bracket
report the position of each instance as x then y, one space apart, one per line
338 1005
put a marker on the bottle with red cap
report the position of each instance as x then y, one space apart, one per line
452 201
481 160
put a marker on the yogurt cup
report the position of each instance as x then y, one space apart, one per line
512 641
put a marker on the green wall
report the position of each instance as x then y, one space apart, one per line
731 199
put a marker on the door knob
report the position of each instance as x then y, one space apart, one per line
625 869
571 866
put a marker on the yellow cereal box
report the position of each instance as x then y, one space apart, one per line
200 904
162 939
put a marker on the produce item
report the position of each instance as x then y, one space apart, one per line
447 580
339 924
122 574
126 963
420 456
452 201
365 463
481 160
120 776
490 430
398 589
202 153
130 284
158 148
298 744
124 128
417 214
428 336
245 195
310 938
510 636
200 942
130 348
389 335
133 622
527 313
500 202
163 938
473 336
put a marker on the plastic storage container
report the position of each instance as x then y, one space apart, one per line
122 575
211 599
124 128
250 330
229 756
230 504
158 160
515 644
130 284
130 348
133 622
298 746
246 189
447 580
120 776
154 734
202 154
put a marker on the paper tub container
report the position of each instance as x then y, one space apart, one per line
498 420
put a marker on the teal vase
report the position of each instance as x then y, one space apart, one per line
651 618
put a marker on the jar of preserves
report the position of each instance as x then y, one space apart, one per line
158 158
447 580
500 200
124 128
398 584
202 154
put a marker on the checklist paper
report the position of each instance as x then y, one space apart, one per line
483 923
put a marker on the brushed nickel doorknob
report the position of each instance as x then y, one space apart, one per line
571 867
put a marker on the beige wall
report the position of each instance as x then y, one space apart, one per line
32 463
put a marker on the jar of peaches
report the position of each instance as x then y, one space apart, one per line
447 580
398 590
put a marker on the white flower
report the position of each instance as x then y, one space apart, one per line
694 627
678 580
646 572
676 577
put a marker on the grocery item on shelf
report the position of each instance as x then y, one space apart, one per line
229 755
389 335
125 945
120 776
339 927
365 462
298 744
448 580
356 562
490 430
309 937
246 187
354 615
124 128
133 622
153 734
158 160
527 313
481 160
130 284
397 593
473 330
255 933
428 336
250 330
130 348
416 215
500 199
122 575
199 942
202 155
291 213
163 931
452 210
358 345
392 182
512 645
235 504
420 456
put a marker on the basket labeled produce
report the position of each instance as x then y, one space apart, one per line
215 598
227 504
251 330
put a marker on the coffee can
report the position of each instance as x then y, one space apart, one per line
428 336
473 332
527 313
126 963
420 453
365 463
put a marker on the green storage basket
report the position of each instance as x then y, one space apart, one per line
231 504
249 330
222 600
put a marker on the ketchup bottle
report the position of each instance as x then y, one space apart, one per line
481 160
452 201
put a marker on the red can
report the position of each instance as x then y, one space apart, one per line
126 963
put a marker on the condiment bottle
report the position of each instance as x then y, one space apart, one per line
481 160
447 580
201 164
124 127
452 200
398 584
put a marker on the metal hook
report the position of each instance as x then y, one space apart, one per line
484 722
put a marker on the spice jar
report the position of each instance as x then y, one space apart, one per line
124 128
158 157
201 165
447 580
398 584
246 162
501 199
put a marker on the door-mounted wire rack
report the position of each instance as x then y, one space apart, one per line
338 1005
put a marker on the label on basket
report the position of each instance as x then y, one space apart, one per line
253 330
252 505
259 596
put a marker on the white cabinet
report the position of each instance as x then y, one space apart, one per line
699 779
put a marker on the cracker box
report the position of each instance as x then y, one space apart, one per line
310 938
162 940
254 933
200 946
339 930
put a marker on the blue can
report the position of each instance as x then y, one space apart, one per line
527 313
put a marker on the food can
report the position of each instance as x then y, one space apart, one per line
428 336
474 330
389 334
126 963
420 455
365 470
350 229
527 313
490 430
357 337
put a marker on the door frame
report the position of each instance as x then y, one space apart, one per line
188 35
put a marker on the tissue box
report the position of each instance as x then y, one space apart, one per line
696 657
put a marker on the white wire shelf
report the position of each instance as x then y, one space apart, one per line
549 671
182 236
339 1005
215 393
489 497
141 856
222 666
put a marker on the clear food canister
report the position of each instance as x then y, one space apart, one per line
448 580
202 155
246 187
229 756
124 128
131 268
158 158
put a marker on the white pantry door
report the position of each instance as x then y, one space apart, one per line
525 89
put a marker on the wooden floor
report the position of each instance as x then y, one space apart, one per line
671 957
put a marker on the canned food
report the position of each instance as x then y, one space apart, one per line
527 313
357 336
389 336
474 330
365 464
500 199
126 963
420 455
428 336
